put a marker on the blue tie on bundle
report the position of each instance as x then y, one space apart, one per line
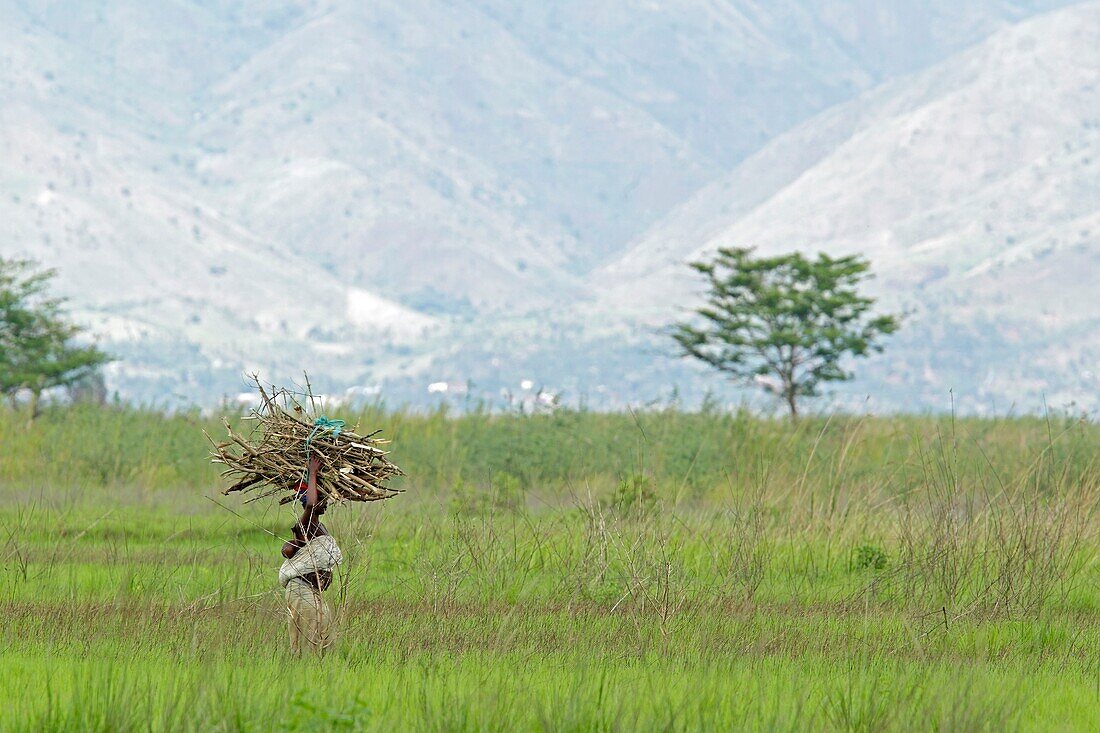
320 424
323 423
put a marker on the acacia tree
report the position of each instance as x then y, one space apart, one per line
783 322
37 349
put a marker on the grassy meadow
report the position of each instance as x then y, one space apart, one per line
660 570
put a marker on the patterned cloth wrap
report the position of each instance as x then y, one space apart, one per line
320 553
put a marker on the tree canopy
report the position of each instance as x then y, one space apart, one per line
37 341
784 323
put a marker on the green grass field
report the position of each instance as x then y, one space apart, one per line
577 571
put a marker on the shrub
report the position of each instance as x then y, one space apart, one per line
635 496
869 557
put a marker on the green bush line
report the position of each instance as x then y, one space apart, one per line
688 454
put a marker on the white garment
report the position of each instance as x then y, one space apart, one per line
320 553
310 618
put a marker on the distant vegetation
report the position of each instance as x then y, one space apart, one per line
37 349
687 456
784 323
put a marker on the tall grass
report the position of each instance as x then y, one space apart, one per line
576 571
701 456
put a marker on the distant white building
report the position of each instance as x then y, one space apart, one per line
247 399
363 390
458 388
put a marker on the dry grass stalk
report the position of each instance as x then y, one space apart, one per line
272 458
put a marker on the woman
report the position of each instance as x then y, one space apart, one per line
307 571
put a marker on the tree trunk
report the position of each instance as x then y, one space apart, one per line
792 402
35 395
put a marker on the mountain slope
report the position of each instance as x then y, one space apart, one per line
182 293
428 155
166 282
728 76
399 190
426 146
973 188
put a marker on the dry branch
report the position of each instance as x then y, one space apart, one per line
272 458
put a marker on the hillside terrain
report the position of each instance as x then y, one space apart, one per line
398 193
973 187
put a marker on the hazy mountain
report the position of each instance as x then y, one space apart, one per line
396 192
973 187
728 76
184 293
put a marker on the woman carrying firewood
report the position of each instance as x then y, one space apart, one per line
341 466
307 571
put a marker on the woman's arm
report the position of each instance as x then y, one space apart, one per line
308 526
311 482
310 523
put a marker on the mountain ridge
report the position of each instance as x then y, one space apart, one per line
395 192
951 242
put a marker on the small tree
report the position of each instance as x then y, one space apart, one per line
783 322
36 339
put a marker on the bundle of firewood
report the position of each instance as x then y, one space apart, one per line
272 458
